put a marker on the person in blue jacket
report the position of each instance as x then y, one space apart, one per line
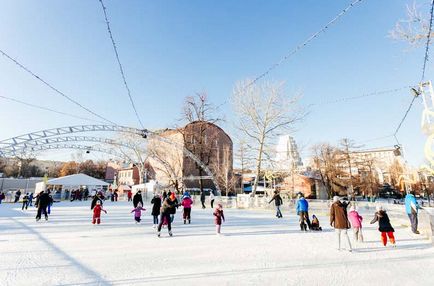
302 210
411 208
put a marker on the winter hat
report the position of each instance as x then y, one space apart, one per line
172 196
219 206
98 202
335 199
139 204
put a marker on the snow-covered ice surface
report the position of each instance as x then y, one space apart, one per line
255 249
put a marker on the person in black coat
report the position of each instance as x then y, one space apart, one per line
156 202
99 198
384 226
278 202
202 199
42 202
137 198
166 209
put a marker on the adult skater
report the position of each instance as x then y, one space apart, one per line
17 196
25 202
412 209
97 198
30 199
156 205
202 199
211 198
2 197
173 210
302 210
137 199
277 202
42 201
166 209
50 204
186 203
339 220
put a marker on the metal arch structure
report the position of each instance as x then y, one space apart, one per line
79 147
43 135
13 150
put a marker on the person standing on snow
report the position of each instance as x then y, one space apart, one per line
202 198
17 196
219 217
50 203
277 202
138 212
30 200
211 198
412 209
166 210
130 195
137 198
173 210
97 212
384 226
156 202
339 220
302 210
186 203
41 203
356 223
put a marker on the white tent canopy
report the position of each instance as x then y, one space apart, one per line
70 181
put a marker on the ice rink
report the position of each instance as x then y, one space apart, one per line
255 248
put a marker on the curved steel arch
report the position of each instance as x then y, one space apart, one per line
12 150
41 148
14 142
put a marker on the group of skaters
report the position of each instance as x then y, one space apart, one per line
79 195
342 220
164 207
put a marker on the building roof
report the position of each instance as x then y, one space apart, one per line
77 180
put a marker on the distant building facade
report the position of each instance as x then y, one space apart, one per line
287 155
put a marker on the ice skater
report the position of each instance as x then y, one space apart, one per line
25 202
277 202
186 203
339 220
302 210
138 212
211 198
98 198
137 198
42 201
50 203
384 226
156 205
219 217
30 200
97 212
166 210
356 223
202 199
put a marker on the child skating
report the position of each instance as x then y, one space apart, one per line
384 226
97 213
356 223
138 212
186 203
219 217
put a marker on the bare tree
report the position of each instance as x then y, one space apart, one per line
414 29
263 113
367 180
328 160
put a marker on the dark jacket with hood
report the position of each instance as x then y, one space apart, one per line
277 200
156 201
43 200
384 224
137 199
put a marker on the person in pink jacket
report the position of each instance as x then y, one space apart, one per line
186 203
356 223
138 212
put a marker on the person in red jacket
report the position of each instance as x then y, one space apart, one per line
97 213
219 216
186 203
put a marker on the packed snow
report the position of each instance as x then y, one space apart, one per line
255 248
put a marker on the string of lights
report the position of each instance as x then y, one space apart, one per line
426 57
121 69
345 99
49 109
305 43
52 87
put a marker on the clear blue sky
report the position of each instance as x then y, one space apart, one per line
172 49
